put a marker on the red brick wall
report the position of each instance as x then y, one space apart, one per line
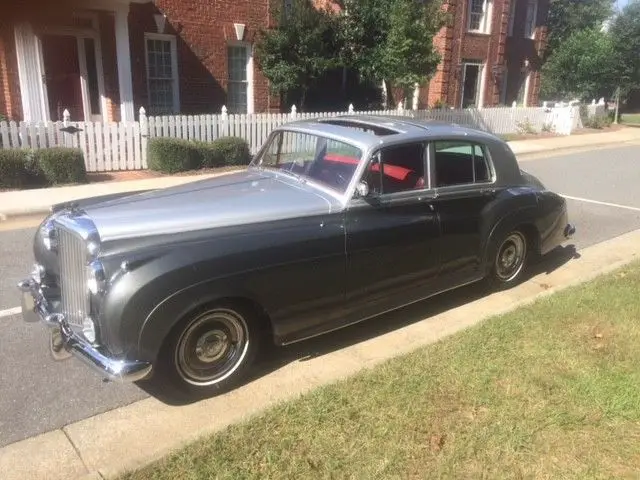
456 44
203 29
439 85
10 101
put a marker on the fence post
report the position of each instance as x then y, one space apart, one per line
294 112
66 118
144 135
225 122
416 96
351 108
144 122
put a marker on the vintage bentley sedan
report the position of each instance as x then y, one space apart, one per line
335 221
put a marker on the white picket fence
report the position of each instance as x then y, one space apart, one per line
123 145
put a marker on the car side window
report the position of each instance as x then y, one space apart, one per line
400 168
460 163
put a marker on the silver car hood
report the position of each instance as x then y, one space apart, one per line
239 198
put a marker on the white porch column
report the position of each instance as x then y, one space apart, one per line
123 54
30 74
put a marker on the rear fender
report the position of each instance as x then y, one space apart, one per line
521 209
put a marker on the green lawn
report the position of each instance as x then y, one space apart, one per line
551 390
632 118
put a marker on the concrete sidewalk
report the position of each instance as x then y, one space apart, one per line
105 445
38 201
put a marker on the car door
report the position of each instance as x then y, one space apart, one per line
392 233
464 179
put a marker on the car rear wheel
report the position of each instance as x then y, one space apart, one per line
509 260
210 352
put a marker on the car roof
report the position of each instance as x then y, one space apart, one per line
391 129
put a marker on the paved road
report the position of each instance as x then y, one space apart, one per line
38 395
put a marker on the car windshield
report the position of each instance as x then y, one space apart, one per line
329 162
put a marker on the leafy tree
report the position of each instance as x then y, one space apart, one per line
391 40
584 66
625 35
567 17
299 50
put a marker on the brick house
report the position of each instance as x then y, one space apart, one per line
104 59
491 53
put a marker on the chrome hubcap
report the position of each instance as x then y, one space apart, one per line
510 259
212 347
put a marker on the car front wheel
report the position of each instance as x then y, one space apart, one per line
509 260
210 352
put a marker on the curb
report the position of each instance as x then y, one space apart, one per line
108 444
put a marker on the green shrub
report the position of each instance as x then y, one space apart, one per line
62 165
41 167
13 168
226 151
597 121
172 155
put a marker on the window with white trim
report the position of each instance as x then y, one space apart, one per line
504 85
162 74
530 19
512 16
239 81
479 16
523 90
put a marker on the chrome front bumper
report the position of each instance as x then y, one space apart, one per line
65 342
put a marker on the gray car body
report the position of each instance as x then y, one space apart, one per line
268 239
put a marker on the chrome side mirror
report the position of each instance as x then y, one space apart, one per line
362 190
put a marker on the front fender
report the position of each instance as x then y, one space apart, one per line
148 297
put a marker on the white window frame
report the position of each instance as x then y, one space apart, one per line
174 66
504 85
250 84
480 85
485 20
530 24
512 16
527 81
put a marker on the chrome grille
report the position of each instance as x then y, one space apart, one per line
73 280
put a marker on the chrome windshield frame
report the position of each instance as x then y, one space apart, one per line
342 196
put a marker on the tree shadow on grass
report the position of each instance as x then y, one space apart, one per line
273 358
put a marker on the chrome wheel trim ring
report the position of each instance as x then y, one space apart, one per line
510 257
212 347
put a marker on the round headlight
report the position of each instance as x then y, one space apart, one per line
96 280
49 236
89 330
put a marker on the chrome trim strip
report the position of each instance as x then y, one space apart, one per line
112 369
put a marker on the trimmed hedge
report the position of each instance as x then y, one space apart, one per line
41 167
172 155
62 165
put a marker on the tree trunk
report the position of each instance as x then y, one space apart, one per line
391 101
344 81
303 99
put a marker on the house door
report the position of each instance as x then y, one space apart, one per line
62 76
471 85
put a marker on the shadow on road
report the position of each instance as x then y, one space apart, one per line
274 358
